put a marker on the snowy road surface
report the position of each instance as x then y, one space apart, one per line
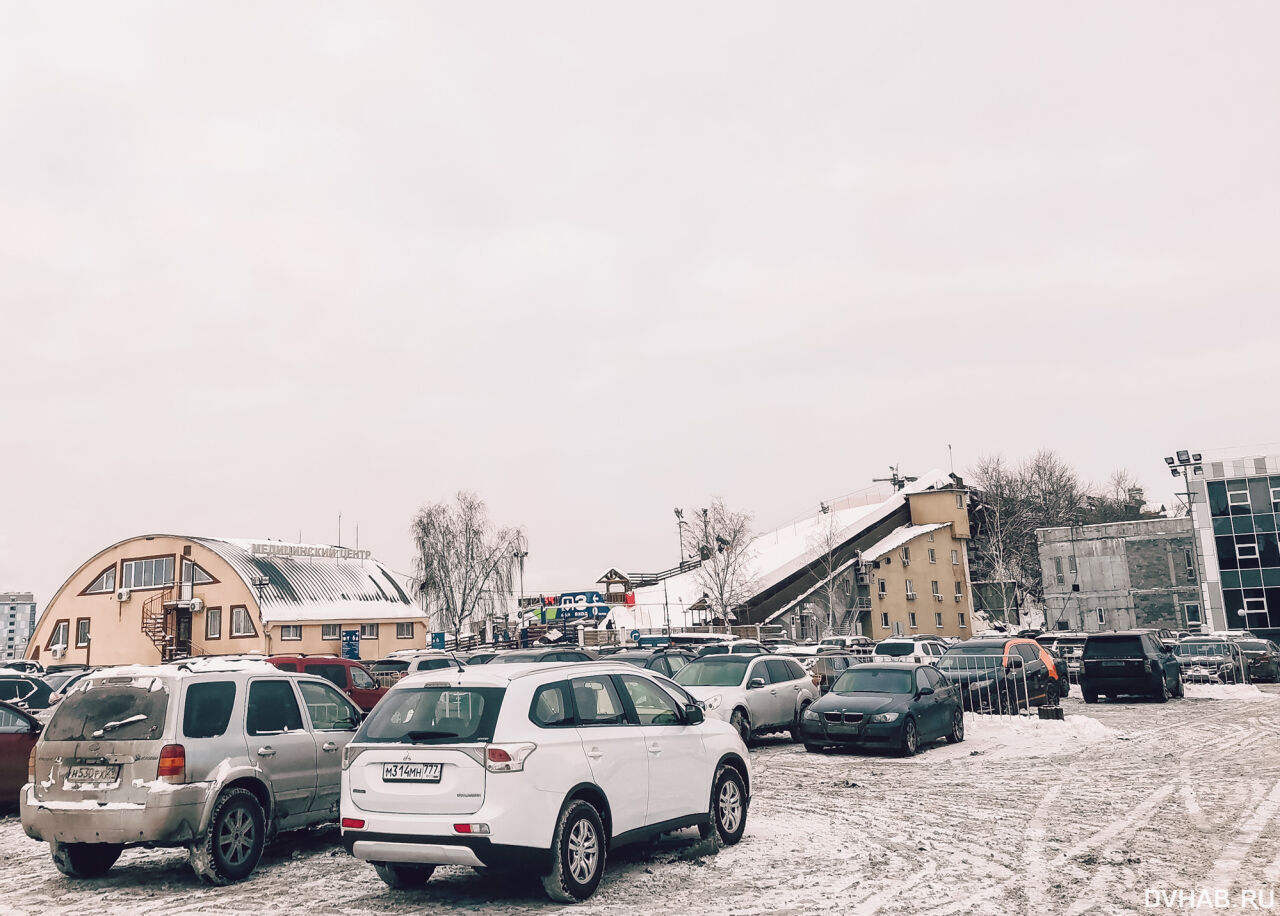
1094 815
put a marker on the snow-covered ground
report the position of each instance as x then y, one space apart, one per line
1083 816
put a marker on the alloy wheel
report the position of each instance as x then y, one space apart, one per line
235 839
584 851
729 805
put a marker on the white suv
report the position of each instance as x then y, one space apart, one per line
539 767
920 650
756 694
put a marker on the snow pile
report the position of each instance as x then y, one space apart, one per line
1249 693
1018 736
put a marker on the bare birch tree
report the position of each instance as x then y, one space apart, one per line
827 542
722 539
465 566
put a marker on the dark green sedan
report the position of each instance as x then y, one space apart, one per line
895 706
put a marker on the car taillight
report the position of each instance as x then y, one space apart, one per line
31 766
173 763
352 823
507 758
481 829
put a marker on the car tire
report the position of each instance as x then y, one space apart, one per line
740 722
577 854
814 748
728 807
957 728
1089 696
796 734
403 877
910 738
1051 693
85 860
1111 697
231 848
1180 691
1162 694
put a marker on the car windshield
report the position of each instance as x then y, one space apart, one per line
434 715
1253 645
1191 648
895 649
112 712
875 679
716 671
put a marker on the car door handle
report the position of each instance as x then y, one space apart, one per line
267 751
655 748
595 753
328 747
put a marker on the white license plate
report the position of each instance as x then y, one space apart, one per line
411 772
94 774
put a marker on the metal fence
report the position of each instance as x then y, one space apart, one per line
992 684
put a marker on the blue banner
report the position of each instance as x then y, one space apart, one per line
351 644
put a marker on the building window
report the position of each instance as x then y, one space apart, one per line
937 618
213 623
1255 606
883 586
241 623
1191 565
330 631
82 632
193 574
955 558
960 617
1247 548
911 618
404 631
905 552
884 620
1057 570
1102 617
933 554
1193 612
59 635
368 631
104 584
959 589
1071 564
291 631
911 590
930 539
1275 498
937 592
960 500
153 572
1238 498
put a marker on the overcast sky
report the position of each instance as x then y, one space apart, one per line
264 263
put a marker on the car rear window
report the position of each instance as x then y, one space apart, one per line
334 674
207 711
109 711
1114 647
434 715
895 649
384 666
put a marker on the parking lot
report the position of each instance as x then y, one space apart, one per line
1087 816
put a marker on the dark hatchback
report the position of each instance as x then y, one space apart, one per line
1000 675
1134 662
1264 659
663 661
891 705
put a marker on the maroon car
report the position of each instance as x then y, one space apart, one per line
351 677
18 733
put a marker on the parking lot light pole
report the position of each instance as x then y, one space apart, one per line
1179 464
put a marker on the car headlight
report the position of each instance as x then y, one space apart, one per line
810 715
885 717
713 702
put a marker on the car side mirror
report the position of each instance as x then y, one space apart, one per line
1016 662
924 691
755 683
693 714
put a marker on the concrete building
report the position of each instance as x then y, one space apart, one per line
1120 575
1236 508
158 597
17 620
900 564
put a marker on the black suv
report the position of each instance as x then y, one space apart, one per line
1133 662
663 661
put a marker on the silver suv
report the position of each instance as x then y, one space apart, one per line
214 756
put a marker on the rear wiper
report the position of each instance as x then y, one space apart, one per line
424 736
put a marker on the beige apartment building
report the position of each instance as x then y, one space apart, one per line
161 597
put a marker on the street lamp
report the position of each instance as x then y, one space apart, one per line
1180 464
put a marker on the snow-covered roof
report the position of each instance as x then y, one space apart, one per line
897 538
314 581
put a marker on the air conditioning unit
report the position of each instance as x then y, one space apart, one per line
911 596
58 652
122 594
197 605
906 562
862 578
937 597
958 599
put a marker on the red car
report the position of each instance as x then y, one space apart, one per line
18 733
351 677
